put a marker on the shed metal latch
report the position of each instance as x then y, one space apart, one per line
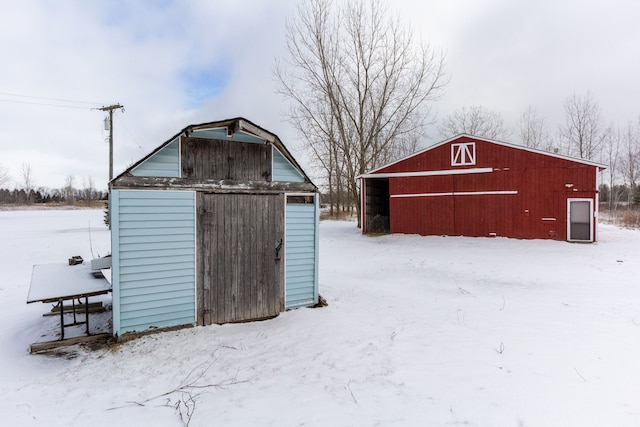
278 249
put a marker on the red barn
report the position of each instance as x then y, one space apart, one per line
470 186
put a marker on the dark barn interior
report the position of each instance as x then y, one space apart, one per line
377 205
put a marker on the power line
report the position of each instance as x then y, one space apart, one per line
49 99
133 138
46 105
48 102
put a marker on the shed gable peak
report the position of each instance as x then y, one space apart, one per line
165 160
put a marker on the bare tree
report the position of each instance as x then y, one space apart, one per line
27 181
89 189
533 130
326 155
611 155
359 86
630 161
475 120
582 132
69 189
4 176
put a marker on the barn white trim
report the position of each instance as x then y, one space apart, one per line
427 173
459 193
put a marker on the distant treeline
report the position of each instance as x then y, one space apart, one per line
45 195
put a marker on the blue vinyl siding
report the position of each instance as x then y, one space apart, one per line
301 261
164 163
153 271
283 170
221 133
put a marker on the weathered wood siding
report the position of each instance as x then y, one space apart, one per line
240 269
153 250
301 249
164 163
283 170
225 160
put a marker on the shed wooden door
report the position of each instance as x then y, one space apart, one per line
240 257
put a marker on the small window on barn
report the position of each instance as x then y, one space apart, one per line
300 200
463 154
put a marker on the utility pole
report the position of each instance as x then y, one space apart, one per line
110 109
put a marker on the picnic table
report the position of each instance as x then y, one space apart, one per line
57 283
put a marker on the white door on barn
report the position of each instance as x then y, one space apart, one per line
580 220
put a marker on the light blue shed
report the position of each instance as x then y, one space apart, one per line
218 224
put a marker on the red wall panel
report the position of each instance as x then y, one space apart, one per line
426 216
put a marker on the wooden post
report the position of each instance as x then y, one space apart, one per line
110 109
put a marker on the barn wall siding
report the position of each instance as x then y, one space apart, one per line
507 191
300 255
164 163
153 241
526 203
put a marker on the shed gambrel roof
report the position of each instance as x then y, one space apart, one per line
373 173
249 131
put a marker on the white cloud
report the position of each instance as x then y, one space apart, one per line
173 63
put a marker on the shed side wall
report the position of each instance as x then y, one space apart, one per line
154 245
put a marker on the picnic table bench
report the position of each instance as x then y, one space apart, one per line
57 283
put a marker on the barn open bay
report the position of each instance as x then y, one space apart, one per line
418 331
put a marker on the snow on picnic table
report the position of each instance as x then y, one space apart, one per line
64 281
427 331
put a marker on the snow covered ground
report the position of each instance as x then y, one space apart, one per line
428 331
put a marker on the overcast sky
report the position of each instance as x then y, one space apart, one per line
175 63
